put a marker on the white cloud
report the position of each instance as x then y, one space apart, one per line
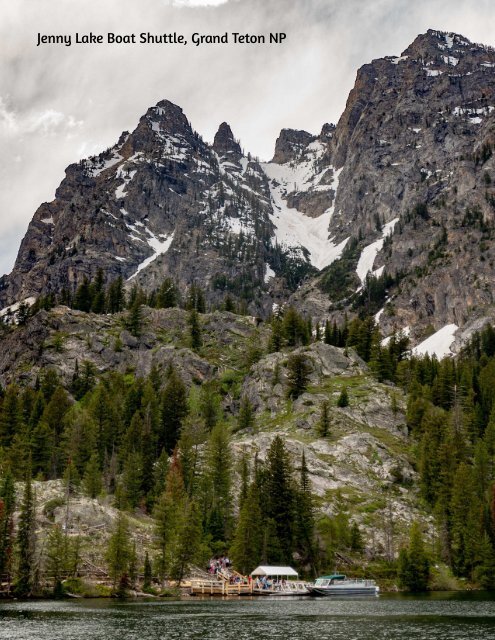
48 121
198 3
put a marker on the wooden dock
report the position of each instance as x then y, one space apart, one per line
220 585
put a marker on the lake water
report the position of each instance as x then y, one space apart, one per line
433 617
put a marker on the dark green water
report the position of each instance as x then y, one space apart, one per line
433 617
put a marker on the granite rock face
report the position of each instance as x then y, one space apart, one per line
408 172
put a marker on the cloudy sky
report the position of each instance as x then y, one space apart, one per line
58 104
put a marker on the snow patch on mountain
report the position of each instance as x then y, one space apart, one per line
95 165
369 253
269 274
300 176
8 314
160 245
294 228
437 344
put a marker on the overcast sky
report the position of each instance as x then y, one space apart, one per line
59 104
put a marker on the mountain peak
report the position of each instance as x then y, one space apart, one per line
167 117
290 144
433 42
224 141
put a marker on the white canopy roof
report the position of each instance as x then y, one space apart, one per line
274 571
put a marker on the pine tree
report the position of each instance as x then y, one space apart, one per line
276 336
298 370
218 476
173 411
56 558
247 546
465 512
305 521
209 405
195 338
7 509
169 514
26 541
323 427
133 566
82 299
167 295
92 477
245 419
97 293
485 571
189 541
147 573
343 399
115 296
132 479
280 504
328 333
357 544
414 566
10 416
119 550
134 319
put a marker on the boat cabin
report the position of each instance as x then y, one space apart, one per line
269 580
326 581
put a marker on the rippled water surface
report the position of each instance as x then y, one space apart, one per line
435 617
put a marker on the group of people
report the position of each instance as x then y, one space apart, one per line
217 565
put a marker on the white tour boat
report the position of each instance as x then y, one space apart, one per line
277 581
338 584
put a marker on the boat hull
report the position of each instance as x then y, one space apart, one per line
280 594
336 591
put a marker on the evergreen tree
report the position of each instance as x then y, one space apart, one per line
92 477
245 419
7 509
189 542
414 566
485 571
56 558
356 542
10 416
115 296
97 293
343 399
465 521
305 522
82 299
298 370
169 514
279 498
167 295
247 546
219 483
132 479
26 541
119 550
276 336
195 337
173 411
147 573
133 566
134 319
323 427
209 405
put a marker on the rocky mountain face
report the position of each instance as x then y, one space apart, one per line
364 462
402 186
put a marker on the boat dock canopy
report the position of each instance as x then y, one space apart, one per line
274 571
